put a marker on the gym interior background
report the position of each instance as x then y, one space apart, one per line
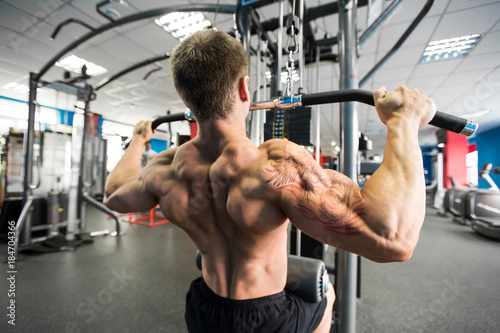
74 274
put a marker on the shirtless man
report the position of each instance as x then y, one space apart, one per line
235 199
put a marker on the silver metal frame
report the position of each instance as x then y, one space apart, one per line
347 262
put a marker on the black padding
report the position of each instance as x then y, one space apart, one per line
306 278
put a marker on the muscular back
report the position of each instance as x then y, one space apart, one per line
226 206
234 200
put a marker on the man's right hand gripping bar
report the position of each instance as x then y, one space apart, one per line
442 120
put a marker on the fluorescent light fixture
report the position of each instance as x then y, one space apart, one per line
182 24
450 48
74 64
16 87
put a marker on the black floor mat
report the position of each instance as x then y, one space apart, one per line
57 243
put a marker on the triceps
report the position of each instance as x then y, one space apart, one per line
326 198
335 213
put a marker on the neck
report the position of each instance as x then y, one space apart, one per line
214 135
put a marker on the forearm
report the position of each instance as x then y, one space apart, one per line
395 194
128 166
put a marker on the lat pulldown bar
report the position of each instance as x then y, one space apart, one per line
442 120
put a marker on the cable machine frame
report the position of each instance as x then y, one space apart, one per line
346 10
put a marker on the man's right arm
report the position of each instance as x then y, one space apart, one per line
380 222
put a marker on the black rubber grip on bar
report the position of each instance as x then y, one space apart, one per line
442 120
163 119
167 119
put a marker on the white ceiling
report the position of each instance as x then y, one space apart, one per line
460 86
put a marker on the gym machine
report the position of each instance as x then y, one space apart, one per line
346 268
65 215
482 206
477 208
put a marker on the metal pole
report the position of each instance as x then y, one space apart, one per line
245 40
280 49
257 95
318 123
301 46
347 263
28 138
82 187
264 95
74 191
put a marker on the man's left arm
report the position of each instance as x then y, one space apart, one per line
125 189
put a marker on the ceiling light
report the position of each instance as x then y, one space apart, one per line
16 87
450 48
440 145
333 143
74 64
182 24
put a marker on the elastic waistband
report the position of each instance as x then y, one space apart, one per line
233 303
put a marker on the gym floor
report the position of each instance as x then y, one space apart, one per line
137 283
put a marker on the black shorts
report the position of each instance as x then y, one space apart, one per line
283 312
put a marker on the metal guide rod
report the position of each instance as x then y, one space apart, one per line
347 267
257 95
301 46
318 116
244 31
264 95
280 48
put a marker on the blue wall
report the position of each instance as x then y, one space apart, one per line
488 151
427 160
158 145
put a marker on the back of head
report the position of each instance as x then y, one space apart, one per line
206 68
